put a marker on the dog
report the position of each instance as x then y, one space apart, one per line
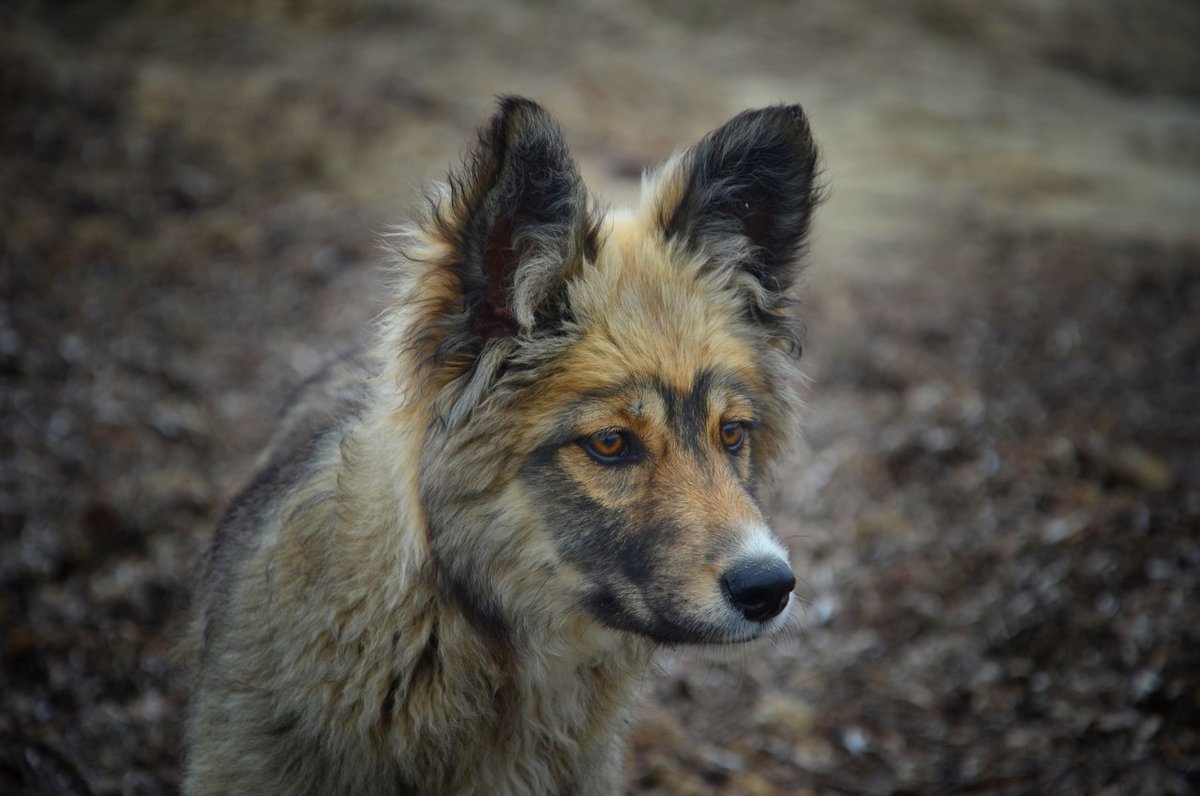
454 566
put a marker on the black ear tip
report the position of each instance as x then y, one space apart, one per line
780 120
775 134
794 113
790 113
520 121
789 120
515 107
509 102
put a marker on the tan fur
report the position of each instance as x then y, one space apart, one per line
389 608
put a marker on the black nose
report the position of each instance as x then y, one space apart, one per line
759 588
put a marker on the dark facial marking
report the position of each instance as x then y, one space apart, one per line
692 424
688 414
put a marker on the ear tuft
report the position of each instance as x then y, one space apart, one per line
748 187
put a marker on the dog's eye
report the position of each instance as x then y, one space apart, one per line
733 436
608 447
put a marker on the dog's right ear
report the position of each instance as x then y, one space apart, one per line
518 223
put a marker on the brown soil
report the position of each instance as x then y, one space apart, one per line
996 514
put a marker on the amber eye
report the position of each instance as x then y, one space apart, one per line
609 447
733 435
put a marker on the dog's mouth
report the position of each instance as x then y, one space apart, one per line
726 624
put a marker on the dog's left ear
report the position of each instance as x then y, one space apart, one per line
746 193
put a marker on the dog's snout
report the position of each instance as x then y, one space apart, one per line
759 588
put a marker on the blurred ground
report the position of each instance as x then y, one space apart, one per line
996 516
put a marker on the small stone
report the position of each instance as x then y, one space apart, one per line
855 741
1063 529
1142 468
784 715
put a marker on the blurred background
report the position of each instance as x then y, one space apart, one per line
996 511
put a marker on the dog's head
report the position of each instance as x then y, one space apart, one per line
607 393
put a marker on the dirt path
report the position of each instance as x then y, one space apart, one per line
996 513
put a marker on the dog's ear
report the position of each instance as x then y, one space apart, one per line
519 221
746 193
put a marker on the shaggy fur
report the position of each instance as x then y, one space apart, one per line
441 581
